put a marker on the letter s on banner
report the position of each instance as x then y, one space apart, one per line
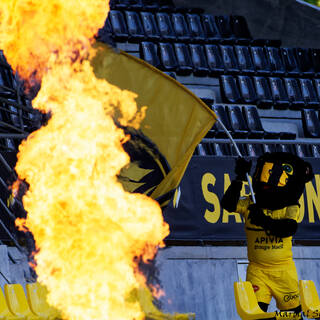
211 216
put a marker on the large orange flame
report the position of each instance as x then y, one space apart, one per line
33 30
87 228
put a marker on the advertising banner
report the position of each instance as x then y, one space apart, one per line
195 212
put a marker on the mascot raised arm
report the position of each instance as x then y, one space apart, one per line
278 182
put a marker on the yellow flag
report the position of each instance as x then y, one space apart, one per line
176 121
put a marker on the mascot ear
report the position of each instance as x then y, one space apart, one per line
308 171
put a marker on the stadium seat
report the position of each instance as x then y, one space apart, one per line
200 151
224 27
135 28
315 150
210 134
310 301
168 57
195 28
2 81
242 149
315 58
309 93
208 148
221 149
240 30
290 61
165 27
317 87
229 59
276 64
279 94
285 148
10 114
269 147
302 150
5 312
244 59
247 304
237 122
149 53
210 28
199 60
119 27
253 121
214 59
260 61
184 59
220 111
145 300
229 90
105 35
6 72
8 144
37 299
17 302
180 27
150 26
247 89
254 150
311 123
304 62
294 93
263 92
206 94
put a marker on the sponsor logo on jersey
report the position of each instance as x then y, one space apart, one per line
290 296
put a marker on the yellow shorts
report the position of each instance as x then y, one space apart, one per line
282 284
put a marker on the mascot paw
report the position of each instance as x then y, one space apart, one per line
256 215
242 168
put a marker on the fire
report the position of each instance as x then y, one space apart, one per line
33 30
88 230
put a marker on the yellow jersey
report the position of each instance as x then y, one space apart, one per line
267 250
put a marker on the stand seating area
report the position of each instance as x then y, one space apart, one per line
267 95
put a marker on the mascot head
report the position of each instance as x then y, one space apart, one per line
279 179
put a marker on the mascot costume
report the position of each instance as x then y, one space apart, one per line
278 183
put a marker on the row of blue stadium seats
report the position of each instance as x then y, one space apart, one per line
244 122
135 26
150 5
207 148
216 59
268 92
